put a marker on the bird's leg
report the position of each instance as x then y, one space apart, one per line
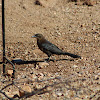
53 59
48 59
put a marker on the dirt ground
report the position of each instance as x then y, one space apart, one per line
73 28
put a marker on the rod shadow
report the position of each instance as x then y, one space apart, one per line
19 61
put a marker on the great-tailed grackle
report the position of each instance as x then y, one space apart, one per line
50 48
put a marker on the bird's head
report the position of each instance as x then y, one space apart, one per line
38 36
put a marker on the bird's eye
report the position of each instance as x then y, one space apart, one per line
39 36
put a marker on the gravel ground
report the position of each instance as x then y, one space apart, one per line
73 28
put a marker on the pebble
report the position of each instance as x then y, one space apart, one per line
59 94
76 98
9 72
24 89
46 3
99 74
60 67
96 77
43 64
40 76
9 94
49 88
74 66
34 76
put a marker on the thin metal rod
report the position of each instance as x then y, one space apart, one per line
13 67
3 35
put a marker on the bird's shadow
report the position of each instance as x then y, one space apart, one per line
19 61
65 59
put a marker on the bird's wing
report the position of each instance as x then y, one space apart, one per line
51 47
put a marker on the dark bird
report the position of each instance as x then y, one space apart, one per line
49 48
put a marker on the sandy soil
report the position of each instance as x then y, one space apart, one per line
72 28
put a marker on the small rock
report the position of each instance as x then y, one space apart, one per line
49 88
89 2
74 66
59 33
59 94
24 89
16 93
99 74
96 77
59 67
26 52
43 64
37 86
54 94
40 75
9 94
77 98
79 75
9 72
79 3
34 76
86 2
46 3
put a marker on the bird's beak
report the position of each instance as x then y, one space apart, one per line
34 36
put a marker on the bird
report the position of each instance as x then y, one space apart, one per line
49 48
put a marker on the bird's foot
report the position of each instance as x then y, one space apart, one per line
47 60
52 60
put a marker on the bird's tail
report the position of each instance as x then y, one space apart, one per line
71 55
